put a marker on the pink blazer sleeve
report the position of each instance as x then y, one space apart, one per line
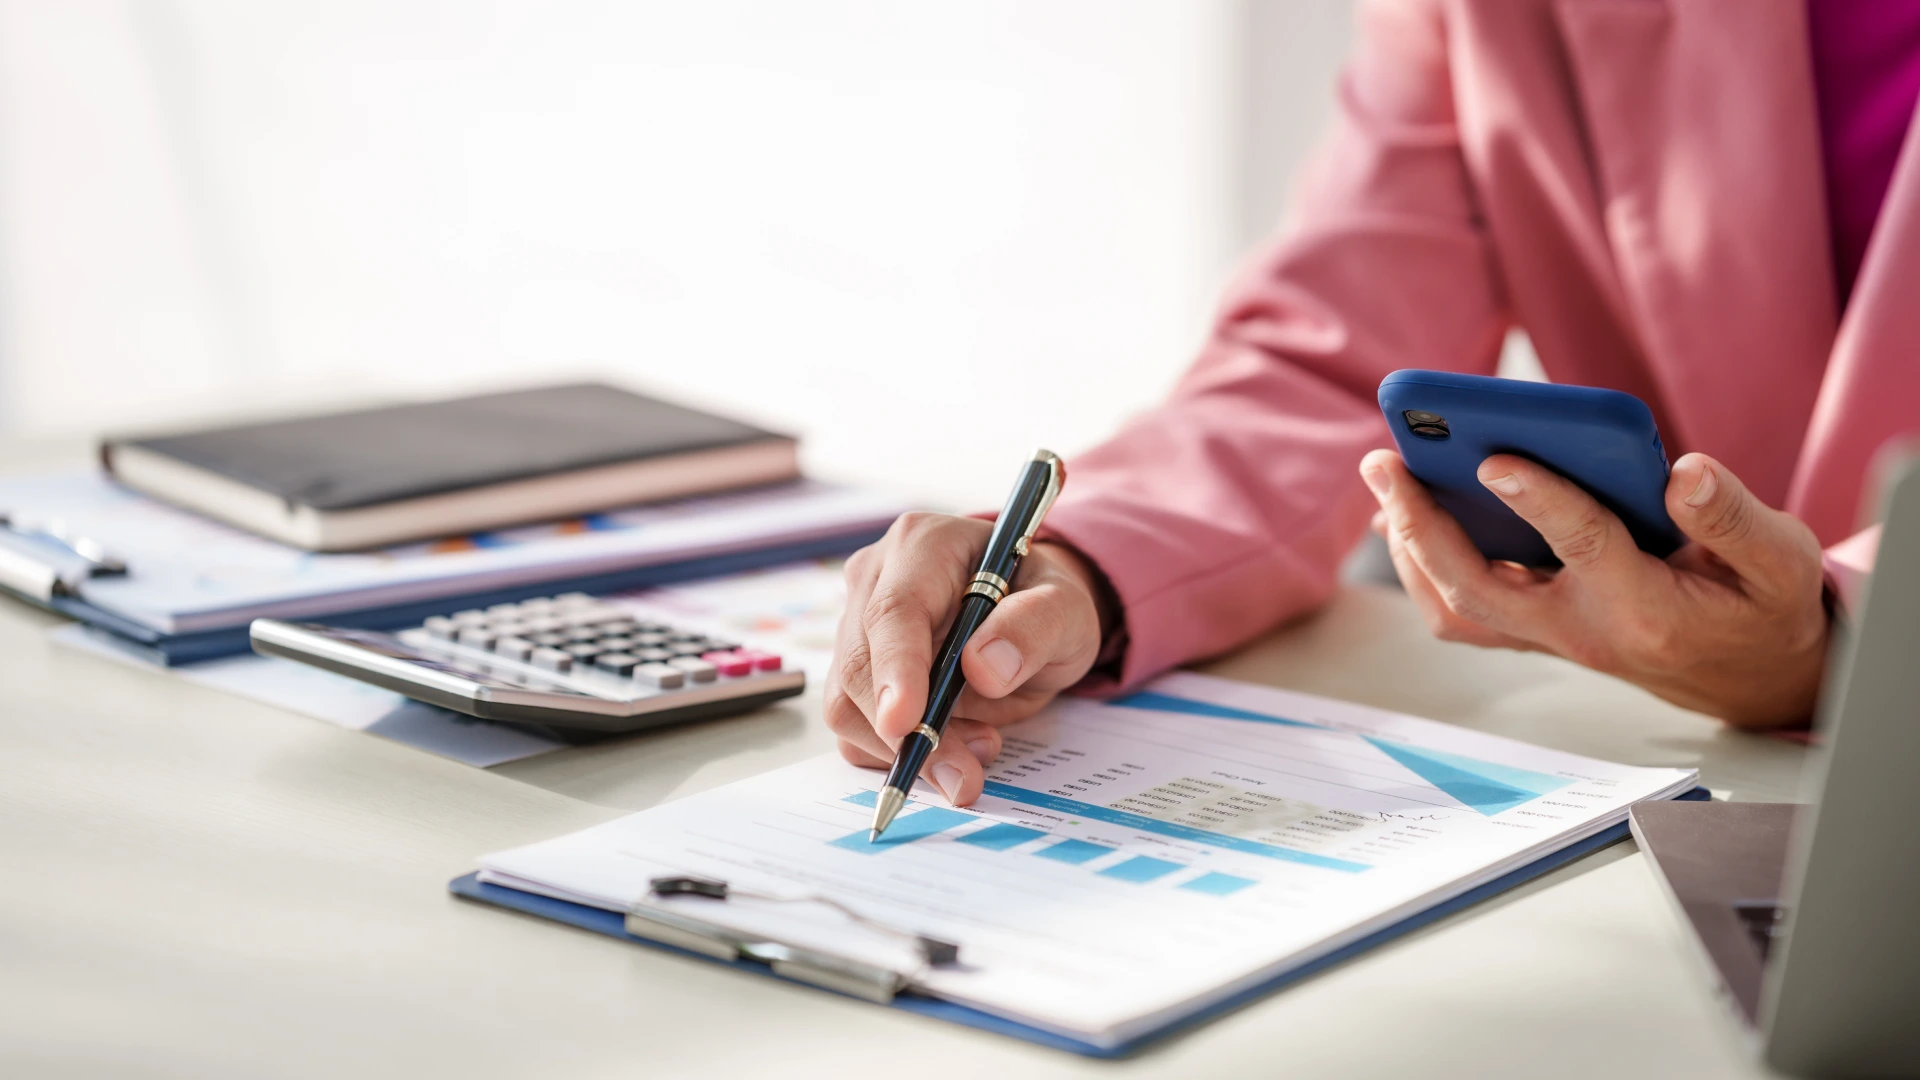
1229 507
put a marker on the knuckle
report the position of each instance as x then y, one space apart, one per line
1583 542
1649 638
1732 520
891 604
855 670
1402 531
863 563
844 718
1466 603
1041 615
915 523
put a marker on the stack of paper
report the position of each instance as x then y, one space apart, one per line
188 573
1131 862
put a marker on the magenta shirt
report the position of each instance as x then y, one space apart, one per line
1866 73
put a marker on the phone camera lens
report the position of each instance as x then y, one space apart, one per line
1426 425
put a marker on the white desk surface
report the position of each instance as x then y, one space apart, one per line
195 885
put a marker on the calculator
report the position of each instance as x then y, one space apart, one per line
577 665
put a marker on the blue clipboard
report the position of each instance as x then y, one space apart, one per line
169 650
613 924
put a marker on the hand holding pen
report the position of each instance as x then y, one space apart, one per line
902 592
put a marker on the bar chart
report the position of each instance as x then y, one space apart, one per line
922 822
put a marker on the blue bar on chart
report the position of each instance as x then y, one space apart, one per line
1073 851
1000 836
863 798
905 830
1140 868
1214 883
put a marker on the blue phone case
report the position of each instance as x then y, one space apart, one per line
1603 440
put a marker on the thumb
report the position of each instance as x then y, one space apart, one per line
1029 631
1769 549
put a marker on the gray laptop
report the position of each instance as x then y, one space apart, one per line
1810 915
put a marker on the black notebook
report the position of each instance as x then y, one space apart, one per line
351 480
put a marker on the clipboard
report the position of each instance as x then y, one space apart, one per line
47 577
613 924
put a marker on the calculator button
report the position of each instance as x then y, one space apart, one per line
442 627
509 628
649 639
722 646
551 660
645 627
544 624
653 656
695 668
551 641
499 610
687 648
762 661
731 664
582 650
616 663
480 637
615 644
659 676
619 627
514 648
537 603
582 633
573 599
469 616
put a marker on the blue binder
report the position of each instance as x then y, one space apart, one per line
613 924
172 649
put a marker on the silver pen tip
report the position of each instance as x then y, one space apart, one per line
885 806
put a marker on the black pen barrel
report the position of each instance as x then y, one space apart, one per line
943 689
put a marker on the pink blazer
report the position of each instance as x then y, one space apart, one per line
1637 183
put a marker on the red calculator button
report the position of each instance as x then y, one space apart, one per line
731 664
762 661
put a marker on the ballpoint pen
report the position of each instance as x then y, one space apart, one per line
1039 484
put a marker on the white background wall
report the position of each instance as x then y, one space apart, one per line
940 233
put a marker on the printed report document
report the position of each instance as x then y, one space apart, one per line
1132 861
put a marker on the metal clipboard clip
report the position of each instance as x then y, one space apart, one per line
44 561
859 978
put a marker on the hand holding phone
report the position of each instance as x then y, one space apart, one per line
1445 425
1733 624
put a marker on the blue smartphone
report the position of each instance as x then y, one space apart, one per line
1445 425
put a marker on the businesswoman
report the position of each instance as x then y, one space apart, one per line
1705 203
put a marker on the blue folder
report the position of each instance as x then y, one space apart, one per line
613 924
172 649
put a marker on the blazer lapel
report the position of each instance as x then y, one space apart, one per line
1704 143
1872 389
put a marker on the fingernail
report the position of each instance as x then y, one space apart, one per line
880 703
947 778
982 750
1505 485
1377 481
1703 491
1001 658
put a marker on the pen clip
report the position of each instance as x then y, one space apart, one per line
1056 479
